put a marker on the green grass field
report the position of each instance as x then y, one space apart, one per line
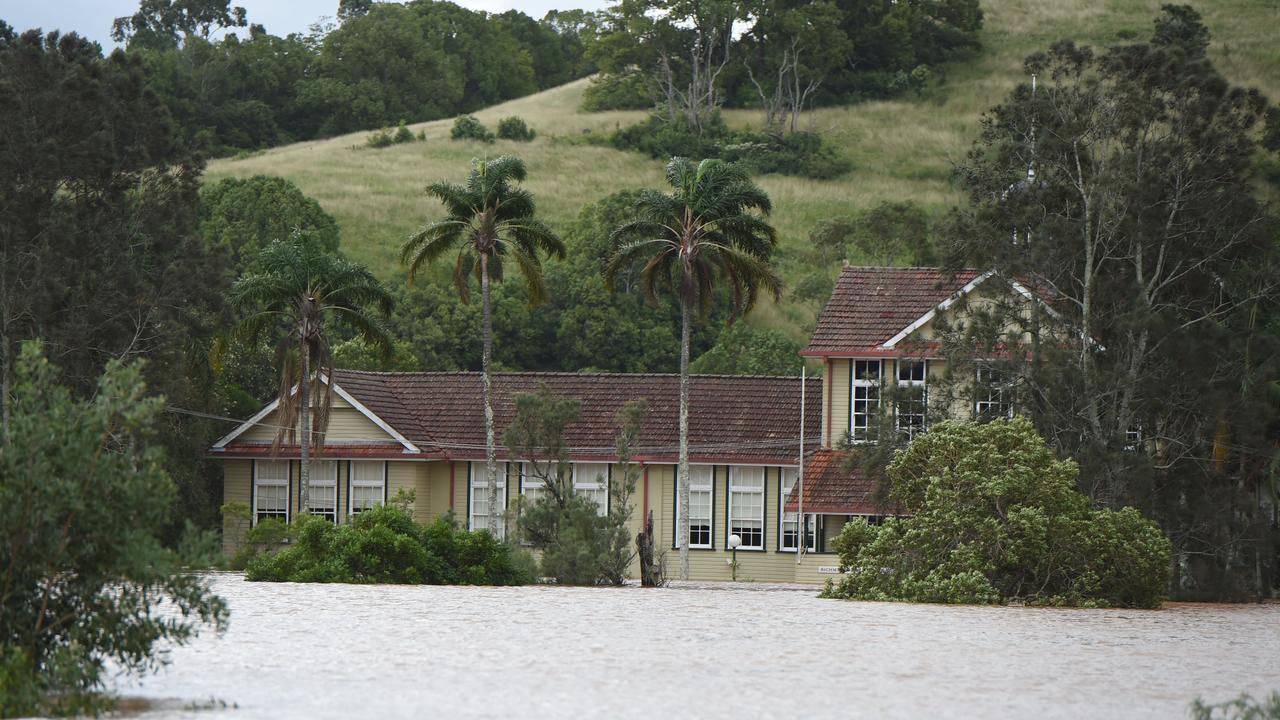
901 150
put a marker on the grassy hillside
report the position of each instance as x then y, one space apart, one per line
901 149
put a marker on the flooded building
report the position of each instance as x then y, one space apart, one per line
425 432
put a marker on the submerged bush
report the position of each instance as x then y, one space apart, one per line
802 154
1244 707
467 127
991 515
514 128
385 545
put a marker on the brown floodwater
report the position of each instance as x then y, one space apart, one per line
704 651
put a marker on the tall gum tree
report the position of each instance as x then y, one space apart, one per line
1120 188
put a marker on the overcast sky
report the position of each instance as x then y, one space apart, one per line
92 18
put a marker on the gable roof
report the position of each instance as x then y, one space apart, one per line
870 306
223 442
741 419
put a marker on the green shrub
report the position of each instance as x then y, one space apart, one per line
514 128
380 139
403 133
991 515
386 137
385 545
802 154
467 127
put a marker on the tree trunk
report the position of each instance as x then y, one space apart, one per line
6 388
490 447
304 396
644 550
682 474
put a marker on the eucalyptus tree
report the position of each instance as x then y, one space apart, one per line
489 220
708 232
296 288
1122 186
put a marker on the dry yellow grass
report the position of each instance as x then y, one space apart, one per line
901 149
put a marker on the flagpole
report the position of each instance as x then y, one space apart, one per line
801 526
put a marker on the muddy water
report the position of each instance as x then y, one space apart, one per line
341 651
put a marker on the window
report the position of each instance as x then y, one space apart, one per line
592 480
270 490
912 404
746 506
322 489
368 484
865 400
789 521
993 394
701 482
531 486
479 519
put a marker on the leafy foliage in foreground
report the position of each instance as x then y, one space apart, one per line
1244 707
385 545
83 499
991 515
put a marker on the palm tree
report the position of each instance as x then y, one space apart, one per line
488 220
296 287
701 235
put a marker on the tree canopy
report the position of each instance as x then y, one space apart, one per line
1121 187
988 514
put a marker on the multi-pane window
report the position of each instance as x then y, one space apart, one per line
270 490
912 402
866 399
368 484
701 479
479 515
322 489
591 480
789 525
993 394
746 506
531 485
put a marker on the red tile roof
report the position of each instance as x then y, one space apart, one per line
872 304
750 419
829 489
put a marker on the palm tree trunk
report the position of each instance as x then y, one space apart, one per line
304 396
682 477
490 446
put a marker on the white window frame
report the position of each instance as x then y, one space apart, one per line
330 483
791 519
911 385
353 482
531 486
738 487
477 482
869 389
271 482
588 483
698 484
991 393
